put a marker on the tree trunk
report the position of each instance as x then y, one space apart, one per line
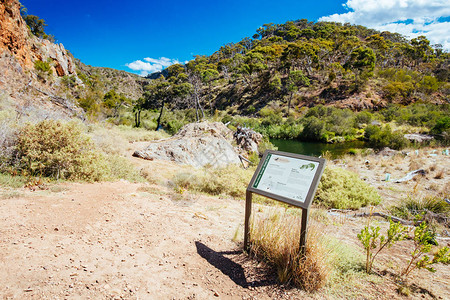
289 104
137 118
160 116
211 106
197 101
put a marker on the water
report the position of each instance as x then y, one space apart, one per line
317 149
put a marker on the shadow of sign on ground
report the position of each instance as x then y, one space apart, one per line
233 269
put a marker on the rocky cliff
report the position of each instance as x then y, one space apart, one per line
21 86
16 38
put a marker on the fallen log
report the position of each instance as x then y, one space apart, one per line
411 175
386 216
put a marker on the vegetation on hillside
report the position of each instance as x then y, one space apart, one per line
35 24
304 63
289 78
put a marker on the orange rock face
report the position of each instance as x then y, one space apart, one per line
16 38
14 34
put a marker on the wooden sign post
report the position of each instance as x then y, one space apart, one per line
285 177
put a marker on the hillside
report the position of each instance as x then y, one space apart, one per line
42 78
301 64
284 67
32 69
106 79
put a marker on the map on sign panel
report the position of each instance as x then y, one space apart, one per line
288 177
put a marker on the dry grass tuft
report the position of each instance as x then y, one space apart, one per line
231 180
416 164
274 237
439 174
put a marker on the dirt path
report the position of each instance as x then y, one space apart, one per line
124 240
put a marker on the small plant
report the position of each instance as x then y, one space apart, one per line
424 240
43 68
413 207
374 243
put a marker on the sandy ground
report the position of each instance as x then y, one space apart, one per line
121 240
125 240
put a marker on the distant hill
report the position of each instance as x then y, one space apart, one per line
106 79
301 64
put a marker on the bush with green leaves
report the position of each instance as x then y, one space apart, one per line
384 137
373 242
442 130
314 129
424 241
60 150
43 68
343 189
442 125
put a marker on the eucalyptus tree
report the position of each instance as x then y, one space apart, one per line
295 80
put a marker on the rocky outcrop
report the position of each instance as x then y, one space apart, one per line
418 137
197 144
61 61
14 34
248 139
16 38
24 89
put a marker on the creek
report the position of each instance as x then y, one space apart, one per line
316 149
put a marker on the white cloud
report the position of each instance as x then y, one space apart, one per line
151 65
407 17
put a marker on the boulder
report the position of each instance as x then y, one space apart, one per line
197 144
388 152
418 137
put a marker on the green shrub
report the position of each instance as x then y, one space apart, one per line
424 240
374 242
43 68
59 150
314 129
363 117
380 138
343 189
411 208
442 125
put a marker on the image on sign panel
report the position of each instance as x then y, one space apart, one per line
286 176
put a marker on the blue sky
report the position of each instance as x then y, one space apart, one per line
144 36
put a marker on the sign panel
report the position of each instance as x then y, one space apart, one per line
287 177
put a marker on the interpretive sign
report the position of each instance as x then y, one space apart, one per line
286 177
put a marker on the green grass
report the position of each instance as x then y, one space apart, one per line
411 207
7 180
